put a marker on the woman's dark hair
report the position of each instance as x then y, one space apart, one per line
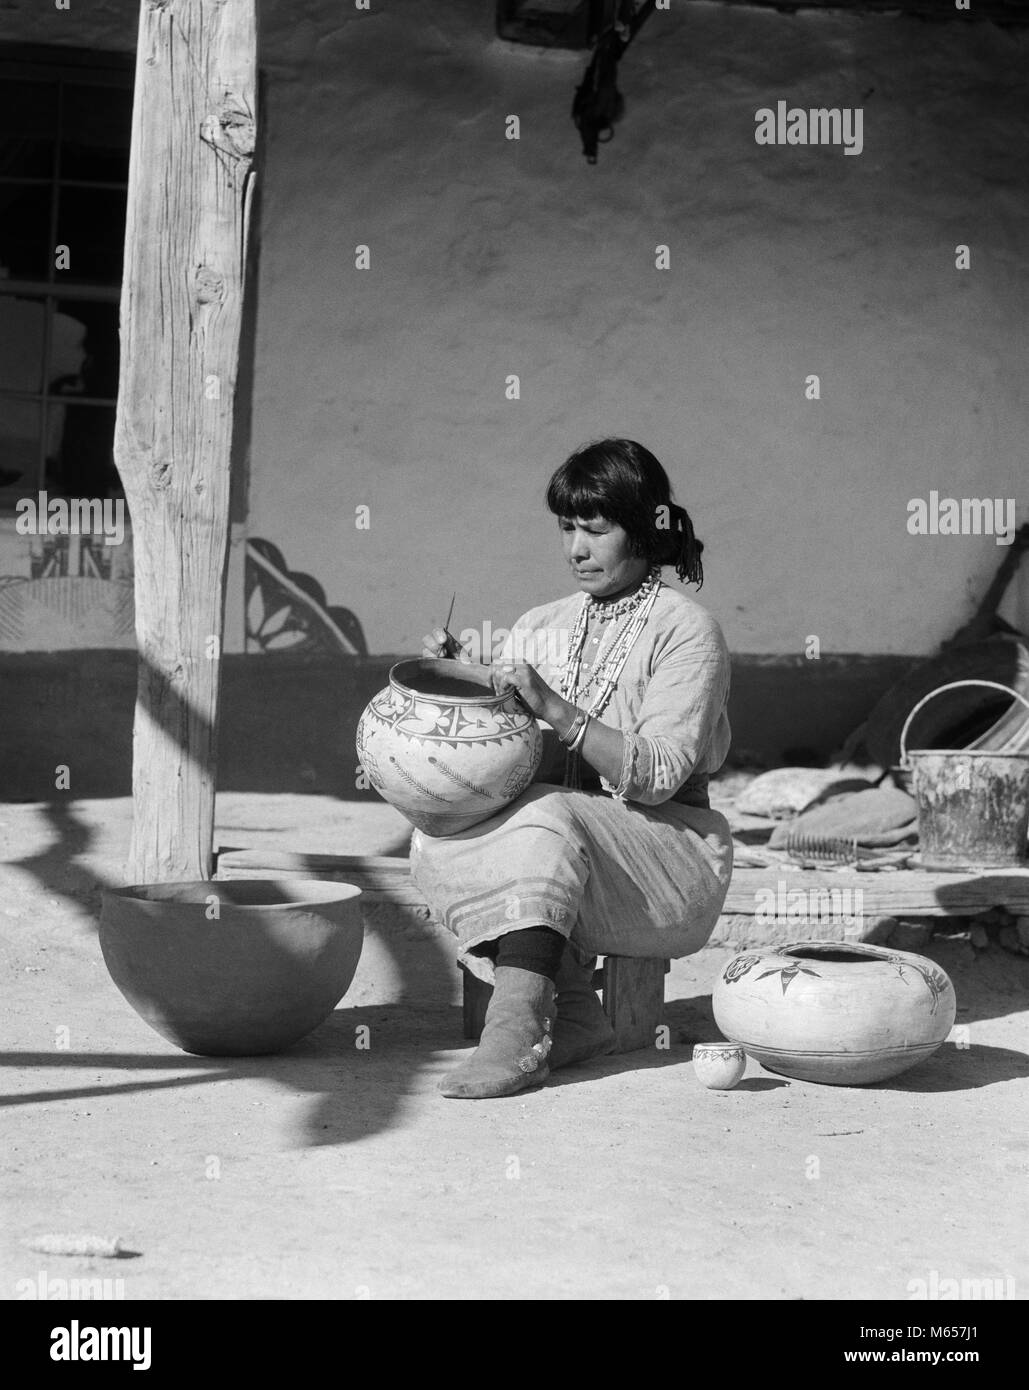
624 483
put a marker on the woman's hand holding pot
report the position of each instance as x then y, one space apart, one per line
519 676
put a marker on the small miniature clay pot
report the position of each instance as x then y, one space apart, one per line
719 1065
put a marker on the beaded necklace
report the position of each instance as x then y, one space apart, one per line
614 651
617 608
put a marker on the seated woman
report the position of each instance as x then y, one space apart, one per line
614 848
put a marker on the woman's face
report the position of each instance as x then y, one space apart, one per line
598 552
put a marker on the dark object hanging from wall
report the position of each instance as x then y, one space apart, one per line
598 103
551 23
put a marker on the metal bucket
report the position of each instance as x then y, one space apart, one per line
973 806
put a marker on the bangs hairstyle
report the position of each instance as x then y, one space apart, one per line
619 480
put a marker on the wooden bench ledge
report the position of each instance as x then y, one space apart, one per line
892 893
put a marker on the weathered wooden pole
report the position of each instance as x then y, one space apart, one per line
190 184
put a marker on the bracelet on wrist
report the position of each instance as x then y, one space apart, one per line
574 728
577 741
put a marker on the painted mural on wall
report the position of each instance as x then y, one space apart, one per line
63 614
286 610
80 557
66 592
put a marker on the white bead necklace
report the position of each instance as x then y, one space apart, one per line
617 608
617 638
618 641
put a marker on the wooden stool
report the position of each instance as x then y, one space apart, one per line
633 995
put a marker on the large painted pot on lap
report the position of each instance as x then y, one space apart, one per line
235 968
441 746
843 1014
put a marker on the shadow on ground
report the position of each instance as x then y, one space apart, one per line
363 1066
58 868
327 1062
957 1068
358 1090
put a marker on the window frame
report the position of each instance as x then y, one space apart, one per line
80 67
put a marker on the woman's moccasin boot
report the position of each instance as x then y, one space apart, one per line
516 1038
583 1029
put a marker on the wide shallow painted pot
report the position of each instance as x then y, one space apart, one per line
442 747
235 968
844 1014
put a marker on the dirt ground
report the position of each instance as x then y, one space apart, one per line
335 1172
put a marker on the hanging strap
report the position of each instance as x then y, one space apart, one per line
598 103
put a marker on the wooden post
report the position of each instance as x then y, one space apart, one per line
190 184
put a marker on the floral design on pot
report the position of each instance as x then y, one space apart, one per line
854 1014
441 746
933 978
738 967
788 973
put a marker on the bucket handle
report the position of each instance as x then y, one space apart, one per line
954 685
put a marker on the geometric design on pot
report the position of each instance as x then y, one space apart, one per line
461 781
413 781
440 736
517 780
854 1020
446 723
371 767
725 1053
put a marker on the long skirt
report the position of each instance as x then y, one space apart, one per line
614 877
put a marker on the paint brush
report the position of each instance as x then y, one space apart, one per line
451 645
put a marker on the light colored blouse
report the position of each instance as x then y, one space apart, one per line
670 703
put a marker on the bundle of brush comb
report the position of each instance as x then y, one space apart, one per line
821 851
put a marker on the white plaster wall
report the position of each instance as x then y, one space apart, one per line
489 257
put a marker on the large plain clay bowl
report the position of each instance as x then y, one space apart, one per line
444 748
843 1014
235 968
